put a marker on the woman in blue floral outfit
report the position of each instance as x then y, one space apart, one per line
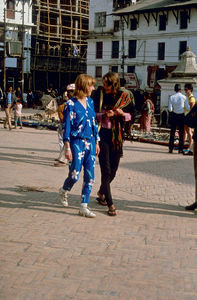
81 141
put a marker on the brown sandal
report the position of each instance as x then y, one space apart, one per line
112 212
101 199
101 202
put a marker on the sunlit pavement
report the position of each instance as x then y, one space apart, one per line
148 251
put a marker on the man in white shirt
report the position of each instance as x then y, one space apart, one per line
177 105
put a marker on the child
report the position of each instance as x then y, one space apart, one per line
81 139
18 113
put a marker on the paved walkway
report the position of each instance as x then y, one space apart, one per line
149 251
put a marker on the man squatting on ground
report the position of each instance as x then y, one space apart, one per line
81 139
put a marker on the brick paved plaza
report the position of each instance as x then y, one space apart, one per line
149 251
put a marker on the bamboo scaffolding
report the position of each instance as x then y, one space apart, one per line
60 28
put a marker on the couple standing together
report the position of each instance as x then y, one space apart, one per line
83 141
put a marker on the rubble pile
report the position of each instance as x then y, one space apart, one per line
44 119
157 135
41 121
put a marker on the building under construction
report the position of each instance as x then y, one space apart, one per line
59 45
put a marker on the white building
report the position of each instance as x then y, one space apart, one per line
15 18
154 35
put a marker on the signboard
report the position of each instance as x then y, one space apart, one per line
131 81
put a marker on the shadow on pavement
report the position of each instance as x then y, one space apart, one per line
38 200
153 208
173 170
146 150
29 159
42 131
48 202
30 149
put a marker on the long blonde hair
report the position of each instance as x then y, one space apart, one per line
82 84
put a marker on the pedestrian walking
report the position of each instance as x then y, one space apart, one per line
18 113
81 139
18 94
7 105
191 121
187 130
68 94
1 96
30 98
111 102
147 113
177 104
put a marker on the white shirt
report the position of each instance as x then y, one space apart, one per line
178 103
18 110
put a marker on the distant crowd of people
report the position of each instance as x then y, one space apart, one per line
13 100
96 122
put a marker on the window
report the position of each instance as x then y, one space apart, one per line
122 3
162 22
161 51
133 24
99 49
183 19
98 72
116 26
130 69
160 74
182 47
11 9
114 69
115 49
100 19
132 48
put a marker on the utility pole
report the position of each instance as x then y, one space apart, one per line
22 52
4 52
123 49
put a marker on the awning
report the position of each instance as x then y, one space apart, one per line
154 5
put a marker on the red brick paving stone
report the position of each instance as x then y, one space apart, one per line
147 252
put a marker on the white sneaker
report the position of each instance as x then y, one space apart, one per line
86 212
63 197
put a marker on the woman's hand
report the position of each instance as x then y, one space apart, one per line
111 113
97 149
68 155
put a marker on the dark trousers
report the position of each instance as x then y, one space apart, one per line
109 161
177 121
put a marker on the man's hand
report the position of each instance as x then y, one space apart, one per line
110 113
120 112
